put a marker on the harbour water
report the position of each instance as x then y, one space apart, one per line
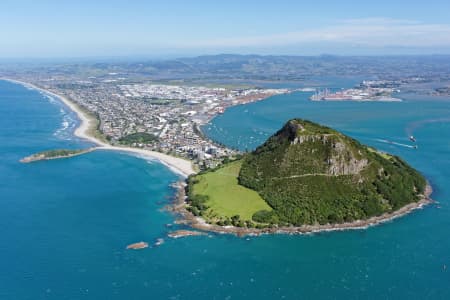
65 224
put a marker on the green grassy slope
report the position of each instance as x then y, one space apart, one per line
224 197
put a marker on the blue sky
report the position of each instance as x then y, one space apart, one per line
44 28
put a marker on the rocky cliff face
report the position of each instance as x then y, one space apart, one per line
340 160
313 149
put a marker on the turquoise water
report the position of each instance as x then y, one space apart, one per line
65 224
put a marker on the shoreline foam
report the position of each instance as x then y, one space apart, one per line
184 168
180 166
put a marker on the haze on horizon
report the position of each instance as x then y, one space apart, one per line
57 29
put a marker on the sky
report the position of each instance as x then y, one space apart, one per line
116 28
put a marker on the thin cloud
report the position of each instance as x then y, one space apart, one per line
374 32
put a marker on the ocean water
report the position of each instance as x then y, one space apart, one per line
64 224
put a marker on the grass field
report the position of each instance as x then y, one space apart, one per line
226 196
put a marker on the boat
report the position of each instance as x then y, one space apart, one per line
412 139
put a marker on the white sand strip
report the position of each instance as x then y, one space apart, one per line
176 164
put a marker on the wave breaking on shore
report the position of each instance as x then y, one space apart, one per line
180 166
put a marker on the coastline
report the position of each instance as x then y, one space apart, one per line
359 100
186 217
180 166
184 168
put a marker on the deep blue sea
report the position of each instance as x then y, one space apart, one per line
64 224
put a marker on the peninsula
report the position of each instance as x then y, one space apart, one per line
305 178
158 121
87 130
367 91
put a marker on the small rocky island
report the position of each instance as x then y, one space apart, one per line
138 245
55 154
183 233
306 177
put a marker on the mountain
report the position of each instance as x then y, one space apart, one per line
311 174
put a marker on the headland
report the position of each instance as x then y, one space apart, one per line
86 130
305 178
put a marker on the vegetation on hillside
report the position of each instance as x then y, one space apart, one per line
312 174
304 174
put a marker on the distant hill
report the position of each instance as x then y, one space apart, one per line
311 174
233 67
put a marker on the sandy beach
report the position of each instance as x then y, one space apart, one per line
180 166
184 168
